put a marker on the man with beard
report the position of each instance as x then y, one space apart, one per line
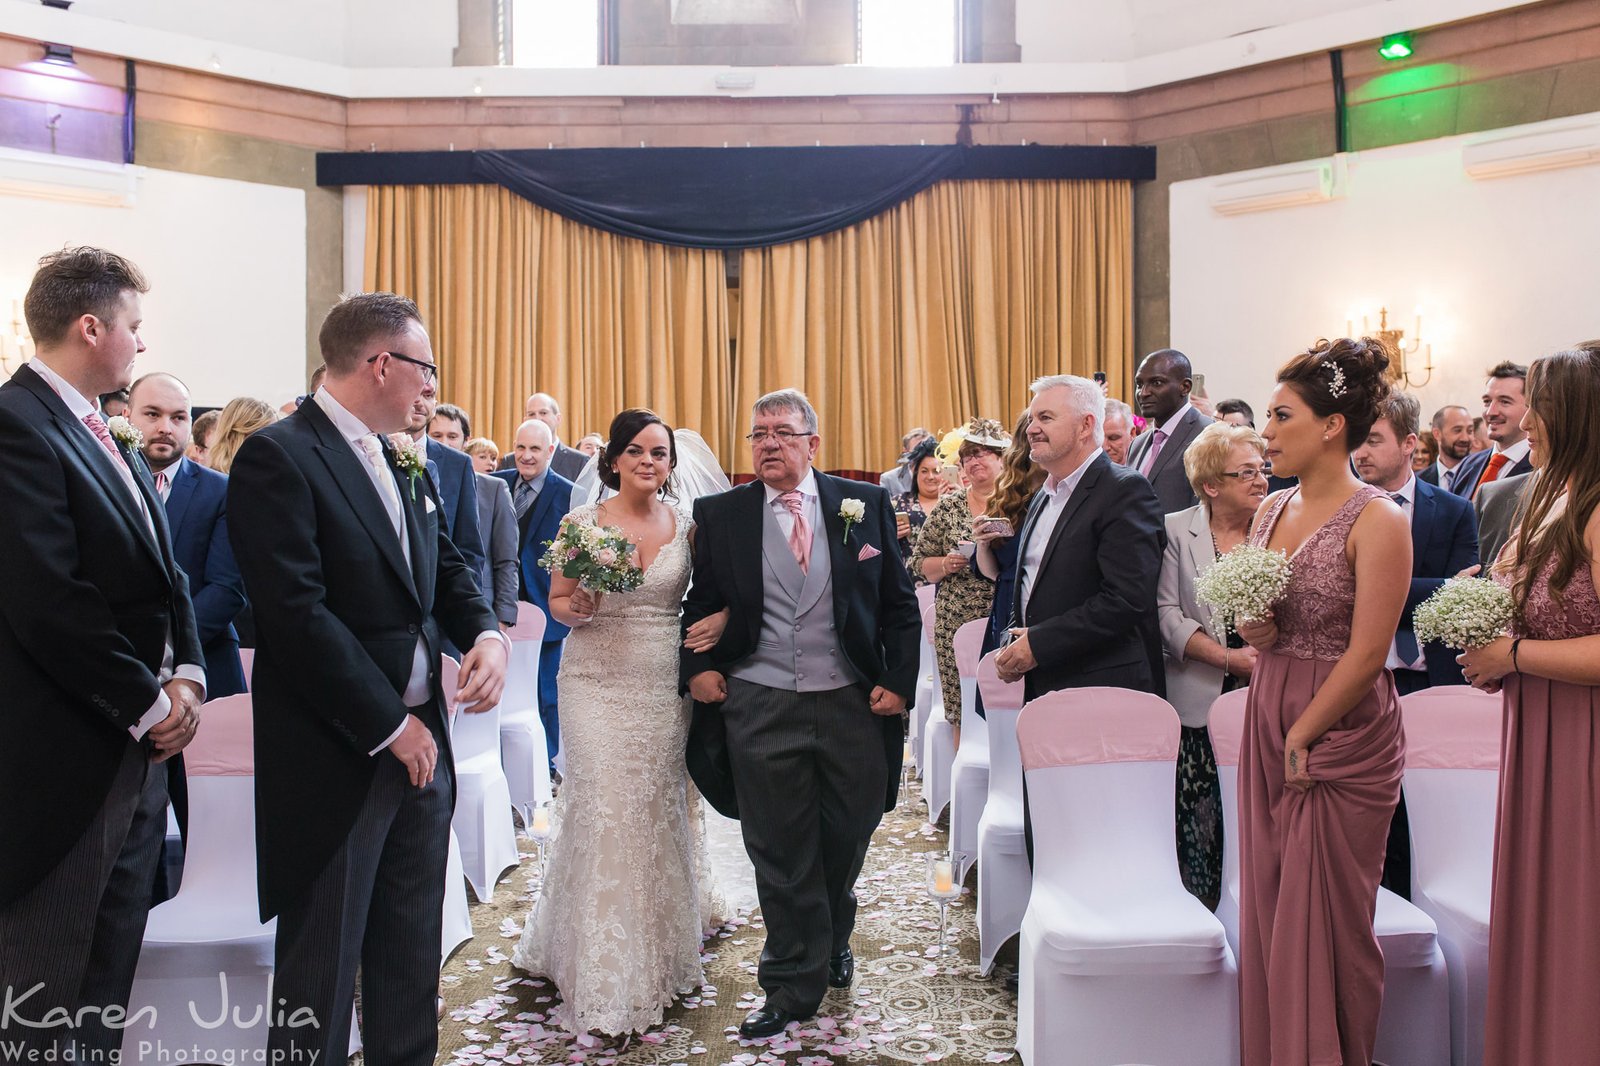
1452 433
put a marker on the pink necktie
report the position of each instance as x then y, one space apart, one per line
97 426
161 484
800 533
1155 450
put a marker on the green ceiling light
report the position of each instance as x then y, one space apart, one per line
1396 46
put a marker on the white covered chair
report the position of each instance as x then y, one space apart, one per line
927 677
938 740
1452 784
1004 876
1414 1026
1119 963
457 915
969 778
524 748
482 819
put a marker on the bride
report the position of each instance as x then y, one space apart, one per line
625 897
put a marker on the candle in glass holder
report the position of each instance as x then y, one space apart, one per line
944 877
541 822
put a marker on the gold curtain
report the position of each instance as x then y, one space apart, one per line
518 299
939 309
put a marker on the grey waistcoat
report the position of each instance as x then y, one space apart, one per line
798 647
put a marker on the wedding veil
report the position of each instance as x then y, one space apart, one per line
697 474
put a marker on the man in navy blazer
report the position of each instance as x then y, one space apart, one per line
196 503
453 478
541 498
1444 542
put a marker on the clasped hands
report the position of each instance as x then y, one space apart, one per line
173 733
709 686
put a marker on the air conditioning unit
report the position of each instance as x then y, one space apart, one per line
1288 186
1541 146
59 177
736 12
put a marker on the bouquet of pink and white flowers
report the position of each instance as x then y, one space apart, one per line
599 558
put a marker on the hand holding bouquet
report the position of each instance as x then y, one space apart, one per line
599 558
1465 613
1243 585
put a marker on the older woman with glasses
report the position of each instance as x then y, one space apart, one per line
944 548
1226 468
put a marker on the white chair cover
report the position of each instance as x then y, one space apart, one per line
457 915
938 740
482 820
524 749
1119 962
1004 876
927 676
969 778
1414 1026
1452 784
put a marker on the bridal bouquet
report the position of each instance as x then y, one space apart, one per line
599 558
1466 612
1243 585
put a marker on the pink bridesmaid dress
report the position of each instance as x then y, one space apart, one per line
1544 931
1310 971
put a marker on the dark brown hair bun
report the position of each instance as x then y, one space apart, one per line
1348 376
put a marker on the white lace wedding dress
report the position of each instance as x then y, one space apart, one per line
627 890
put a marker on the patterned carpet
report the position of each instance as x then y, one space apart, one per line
905 1006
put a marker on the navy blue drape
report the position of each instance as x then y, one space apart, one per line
729 197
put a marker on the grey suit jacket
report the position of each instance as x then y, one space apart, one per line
1167 476
568 462
1191 685
896 482
497 520
1497 504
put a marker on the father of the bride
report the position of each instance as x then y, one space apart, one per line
342 544
797 728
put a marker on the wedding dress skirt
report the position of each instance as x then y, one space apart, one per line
626 893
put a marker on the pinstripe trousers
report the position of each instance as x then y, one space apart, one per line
810 775
379 905
76 935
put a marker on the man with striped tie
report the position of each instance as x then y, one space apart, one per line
1505 401
541 497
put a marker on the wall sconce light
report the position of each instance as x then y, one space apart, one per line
59 54
1399 372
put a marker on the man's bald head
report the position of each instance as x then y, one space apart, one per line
158 378
1162 384
532 448
543 406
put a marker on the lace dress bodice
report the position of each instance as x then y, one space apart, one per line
1575 614
1315 613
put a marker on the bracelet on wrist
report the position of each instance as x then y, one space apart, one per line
1515 644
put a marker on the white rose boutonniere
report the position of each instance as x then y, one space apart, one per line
125 433
852 511
409 459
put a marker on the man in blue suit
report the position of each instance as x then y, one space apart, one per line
541 498
453 476
1444 542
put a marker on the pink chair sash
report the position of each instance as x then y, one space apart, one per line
247 662
998 695
927 622
224 744
1089 726
969 646
1226 725
925 594
530 622
1454 727
450 681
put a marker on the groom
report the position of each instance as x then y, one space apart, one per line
355 584
797 722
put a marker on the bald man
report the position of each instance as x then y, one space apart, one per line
568 462
541 497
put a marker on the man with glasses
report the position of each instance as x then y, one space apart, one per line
355 585
798 709
1444 542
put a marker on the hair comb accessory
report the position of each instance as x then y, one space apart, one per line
1336 387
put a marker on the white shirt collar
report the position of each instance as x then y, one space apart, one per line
807 487
80 407
1408 490
1442 470
349 426
1070 482
1170 426
1516 453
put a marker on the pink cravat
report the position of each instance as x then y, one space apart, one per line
161 484
800 534
1155 450
97 426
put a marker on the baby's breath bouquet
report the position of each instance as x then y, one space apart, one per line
1243 585
1466 612
599 558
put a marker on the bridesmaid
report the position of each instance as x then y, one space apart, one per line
1320 762
1544 932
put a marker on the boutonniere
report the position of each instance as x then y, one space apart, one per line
852 511
125 433
409 459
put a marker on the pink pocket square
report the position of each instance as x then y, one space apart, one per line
867 552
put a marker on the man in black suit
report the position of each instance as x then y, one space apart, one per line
101 662
1505 401
797 721
568 462
355 584
1090 556
454 477
1162 390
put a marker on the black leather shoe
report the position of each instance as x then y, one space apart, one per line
841 969
764 1022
